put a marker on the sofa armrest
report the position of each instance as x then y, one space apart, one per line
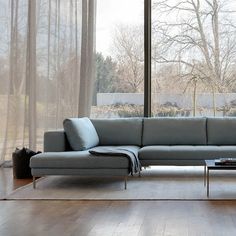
55 141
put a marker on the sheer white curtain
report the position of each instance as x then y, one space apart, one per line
47 50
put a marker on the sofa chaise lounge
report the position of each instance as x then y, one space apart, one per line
156 141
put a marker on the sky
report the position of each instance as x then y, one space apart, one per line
113 12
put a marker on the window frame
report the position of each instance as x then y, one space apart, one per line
147 57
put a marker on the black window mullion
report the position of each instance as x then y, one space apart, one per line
147 58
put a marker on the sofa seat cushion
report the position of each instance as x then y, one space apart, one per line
182 152
80 160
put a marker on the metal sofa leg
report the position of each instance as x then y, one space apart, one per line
34 182
125 182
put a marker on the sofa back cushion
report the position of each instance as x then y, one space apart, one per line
122 131
174 131
80 133
221 131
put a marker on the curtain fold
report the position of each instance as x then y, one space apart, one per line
88 54
47 73
31 76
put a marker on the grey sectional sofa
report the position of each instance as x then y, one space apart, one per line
156 141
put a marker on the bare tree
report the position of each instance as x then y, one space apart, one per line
200 36
129 50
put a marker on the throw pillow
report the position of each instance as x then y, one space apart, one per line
80 133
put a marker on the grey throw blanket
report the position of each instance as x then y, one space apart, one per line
135 165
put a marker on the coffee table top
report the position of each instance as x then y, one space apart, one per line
211 165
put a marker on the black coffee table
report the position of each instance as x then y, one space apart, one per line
210 165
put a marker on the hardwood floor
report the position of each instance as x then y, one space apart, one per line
8 183
32 218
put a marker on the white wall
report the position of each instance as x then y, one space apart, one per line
181 100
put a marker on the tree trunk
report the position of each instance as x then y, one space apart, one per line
195 98
213 101
215 29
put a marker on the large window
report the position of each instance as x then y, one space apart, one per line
193 58
119 82
46 55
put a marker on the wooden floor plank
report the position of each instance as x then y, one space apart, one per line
8 183
143 218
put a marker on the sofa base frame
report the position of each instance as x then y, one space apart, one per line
34 181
